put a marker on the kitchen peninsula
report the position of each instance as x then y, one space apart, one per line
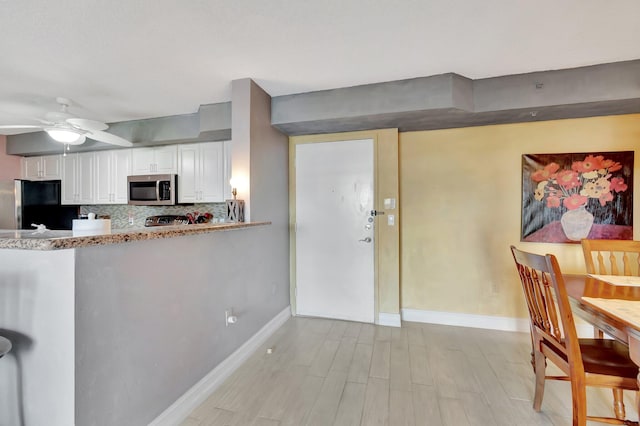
115 328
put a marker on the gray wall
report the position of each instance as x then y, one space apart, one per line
143 336
150 317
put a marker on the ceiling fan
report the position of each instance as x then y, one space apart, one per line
65 128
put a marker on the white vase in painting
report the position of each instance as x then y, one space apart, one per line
576 223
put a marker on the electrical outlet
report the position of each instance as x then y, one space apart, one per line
229 318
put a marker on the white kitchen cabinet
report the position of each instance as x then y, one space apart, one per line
201 172
155 160
47 167
111 171
78 178
227 170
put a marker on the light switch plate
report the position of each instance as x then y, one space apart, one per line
390 203
391 220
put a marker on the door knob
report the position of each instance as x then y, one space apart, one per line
366 240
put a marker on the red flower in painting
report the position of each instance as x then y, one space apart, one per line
589 164
605 198
546 173
572 188
612 166
553 202
618 185
568 179
575 201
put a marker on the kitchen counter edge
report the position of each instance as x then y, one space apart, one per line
118 236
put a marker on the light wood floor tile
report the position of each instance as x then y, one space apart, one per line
352 330
324 358
452 412
399 368
300 402
265 422
190 421
225 418
415 335
443 374
376 403
344 354
401 411
284 384
425 405
419 365
367 333
326 406
337 330
326 372
380 360
477 410
383 333
351 405
360 363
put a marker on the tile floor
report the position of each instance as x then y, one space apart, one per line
327 372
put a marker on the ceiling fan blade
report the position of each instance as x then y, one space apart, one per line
86 124
19 126
108 138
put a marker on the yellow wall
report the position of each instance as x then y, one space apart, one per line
460 199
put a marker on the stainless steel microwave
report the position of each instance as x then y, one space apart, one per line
152 190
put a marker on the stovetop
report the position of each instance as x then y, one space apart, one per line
166 220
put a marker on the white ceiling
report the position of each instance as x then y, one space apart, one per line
123 60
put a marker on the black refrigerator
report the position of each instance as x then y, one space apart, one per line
25 202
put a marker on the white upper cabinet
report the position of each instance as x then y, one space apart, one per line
156 160
78 178
201 172
47 167
227 170
111 171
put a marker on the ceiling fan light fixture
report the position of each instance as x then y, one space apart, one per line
66 136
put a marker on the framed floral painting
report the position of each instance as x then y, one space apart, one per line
568 197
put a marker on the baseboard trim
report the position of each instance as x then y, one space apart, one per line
391 320
479 321
180 410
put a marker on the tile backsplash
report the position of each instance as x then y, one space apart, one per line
120 214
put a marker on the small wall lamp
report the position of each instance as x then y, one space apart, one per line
235 207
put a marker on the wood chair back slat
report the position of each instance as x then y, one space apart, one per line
612 257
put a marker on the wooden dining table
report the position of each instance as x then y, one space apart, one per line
586 296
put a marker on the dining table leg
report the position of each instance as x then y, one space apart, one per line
634 353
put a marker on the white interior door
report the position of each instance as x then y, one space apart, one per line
334 230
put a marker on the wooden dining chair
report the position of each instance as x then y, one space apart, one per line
612 257
585 362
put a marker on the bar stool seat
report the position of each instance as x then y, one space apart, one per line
5 346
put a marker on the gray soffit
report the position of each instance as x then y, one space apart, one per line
424 103
449 100
211 123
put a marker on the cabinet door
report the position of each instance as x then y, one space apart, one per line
142 161
121 168
84 178
211 174
31 168
50 167
166 159
188 169
103 178
68 190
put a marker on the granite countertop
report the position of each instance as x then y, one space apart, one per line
57 240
